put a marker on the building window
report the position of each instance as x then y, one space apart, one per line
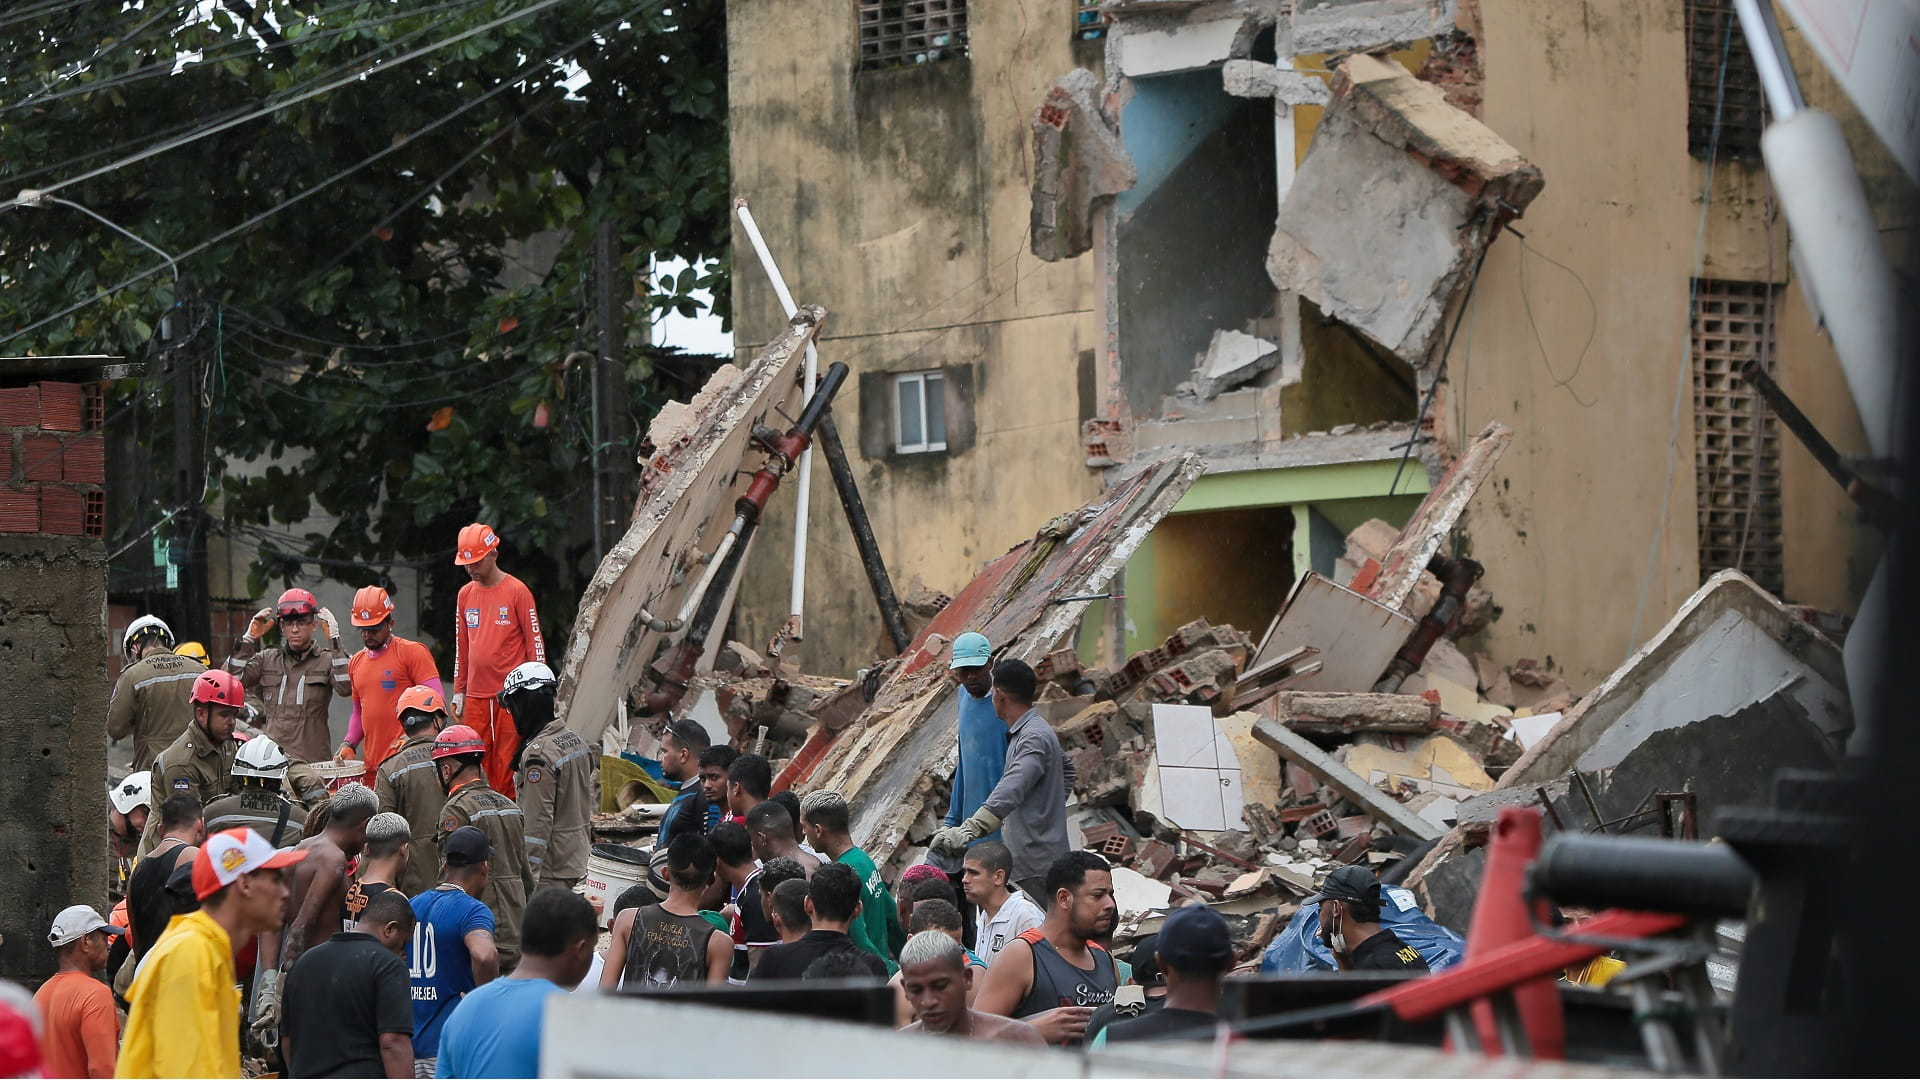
1087 24
1713 37
899 33
1736 440
919 412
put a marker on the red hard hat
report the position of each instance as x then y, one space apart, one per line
297 602
476 540
457 740
217 687
371 606
420 699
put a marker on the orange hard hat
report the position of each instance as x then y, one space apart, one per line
456 741
371 607
420 699
476 540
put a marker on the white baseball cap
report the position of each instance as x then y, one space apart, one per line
77 922
230 853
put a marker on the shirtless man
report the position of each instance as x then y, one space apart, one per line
317 890
936 978
771 829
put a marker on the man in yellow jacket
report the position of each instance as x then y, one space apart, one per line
184 1009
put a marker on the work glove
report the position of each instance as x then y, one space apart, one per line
263 621
346 753
266 1009
954 839
459 706
333 628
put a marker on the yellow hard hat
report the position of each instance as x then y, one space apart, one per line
195 650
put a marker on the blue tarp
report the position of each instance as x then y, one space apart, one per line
1298 949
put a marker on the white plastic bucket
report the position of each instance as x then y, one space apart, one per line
611 870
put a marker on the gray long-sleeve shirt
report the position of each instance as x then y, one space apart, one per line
1031 797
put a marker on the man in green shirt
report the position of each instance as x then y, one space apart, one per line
824 818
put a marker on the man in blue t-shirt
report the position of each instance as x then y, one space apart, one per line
453 949
495 1030
982 734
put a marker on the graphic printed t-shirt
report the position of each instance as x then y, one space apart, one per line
378 681
497 630
358 894
440 967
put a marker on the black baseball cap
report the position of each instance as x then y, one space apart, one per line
466 846
1349 883
1194 938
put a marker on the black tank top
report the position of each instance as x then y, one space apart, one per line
149 905
665 949
1056 982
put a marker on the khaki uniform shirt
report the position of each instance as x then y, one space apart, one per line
408 785
293 692
153 702
257 809
194 766
509 877
307 787
558 788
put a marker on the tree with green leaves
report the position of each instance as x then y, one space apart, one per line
381 214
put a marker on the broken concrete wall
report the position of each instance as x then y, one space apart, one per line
1375 227
1729 646
1078 160
53 775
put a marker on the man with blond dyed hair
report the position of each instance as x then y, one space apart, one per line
826 818
935 977
385 858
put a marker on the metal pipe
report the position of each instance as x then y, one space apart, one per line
1643 874
1777 80
803 491
871 561
1857 487
714 560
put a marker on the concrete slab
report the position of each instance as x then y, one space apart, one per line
1439 512
1356 636
686 504
1378 805
1729 646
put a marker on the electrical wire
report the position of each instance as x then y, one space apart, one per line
1686 346
330 85
329 181
1593 326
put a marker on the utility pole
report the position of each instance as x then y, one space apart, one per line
610 460
195 621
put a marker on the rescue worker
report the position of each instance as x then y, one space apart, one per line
129 805
193 650
200 761
149 699
408 785
294 680
558 778
458 756
259 773
381 672
497 630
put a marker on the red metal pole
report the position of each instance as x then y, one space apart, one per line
1500 918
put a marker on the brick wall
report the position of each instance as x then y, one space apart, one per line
53 460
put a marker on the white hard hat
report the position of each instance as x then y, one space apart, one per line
133 792
142 625
260 757
531 675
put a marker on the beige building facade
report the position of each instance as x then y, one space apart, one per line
893 165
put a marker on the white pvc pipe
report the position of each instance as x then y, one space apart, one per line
1843 262
804 485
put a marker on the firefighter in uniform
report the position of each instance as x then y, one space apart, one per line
298 680
458 754
556 779
408 785
200 761
259 771
150 699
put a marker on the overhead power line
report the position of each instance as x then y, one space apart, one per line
333 84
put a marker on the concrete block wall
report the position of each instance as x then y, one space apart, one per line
53 710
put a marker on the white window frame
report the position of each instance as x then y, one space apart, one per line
923 382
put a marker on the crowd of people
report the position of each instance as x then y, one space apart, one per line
419 923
